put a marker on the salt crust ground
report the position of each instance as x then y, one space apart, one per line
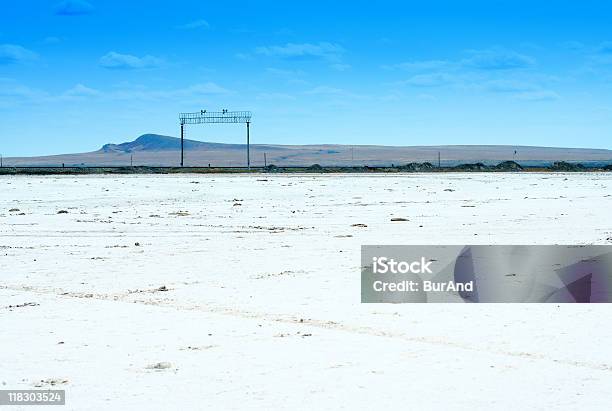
262 304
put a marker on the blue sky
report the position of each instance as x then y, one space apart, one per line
77 74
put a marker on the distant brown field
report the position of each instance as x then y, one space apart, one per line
216 154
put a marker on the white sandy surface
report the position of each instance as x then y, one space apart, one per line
262 304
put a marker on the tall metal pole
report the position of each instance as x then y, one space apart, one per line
181 144
248 147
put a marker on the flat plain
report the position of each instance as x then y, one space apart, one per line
242 292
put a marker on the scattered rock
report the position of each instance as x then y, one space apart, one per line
62 212
164 365
399 219
51 381
13 210
22 305
198 348
449 189
162 288
137 244
180 213
359 225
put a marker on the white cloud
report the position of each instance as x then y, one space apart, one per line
429 80
540 95
325 90
497 59
81 91
341 67
509 86
13 93
12 54
322 50
117 61
425 65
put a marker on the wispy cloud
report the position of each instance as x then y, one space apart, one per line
430 80
497 59
117 61
605 48
81 90
13 93
494 70
341 67
325 90
509 86
196 24
425 65
275 96
541 95
73 8
521 90
290 76
13 54
284 73
572 45
597 57
303 51
194 91
331 91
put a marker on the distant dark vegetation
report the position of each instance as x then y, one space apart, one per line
506 166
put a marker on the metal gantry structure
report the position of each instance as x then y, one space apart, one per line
223 116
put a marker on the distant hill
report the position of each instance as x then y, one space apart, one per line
157 142
159 150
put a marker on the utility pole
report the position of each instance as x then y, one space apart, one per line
181 144
248 147
265 161
1 161
131 160
439 164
